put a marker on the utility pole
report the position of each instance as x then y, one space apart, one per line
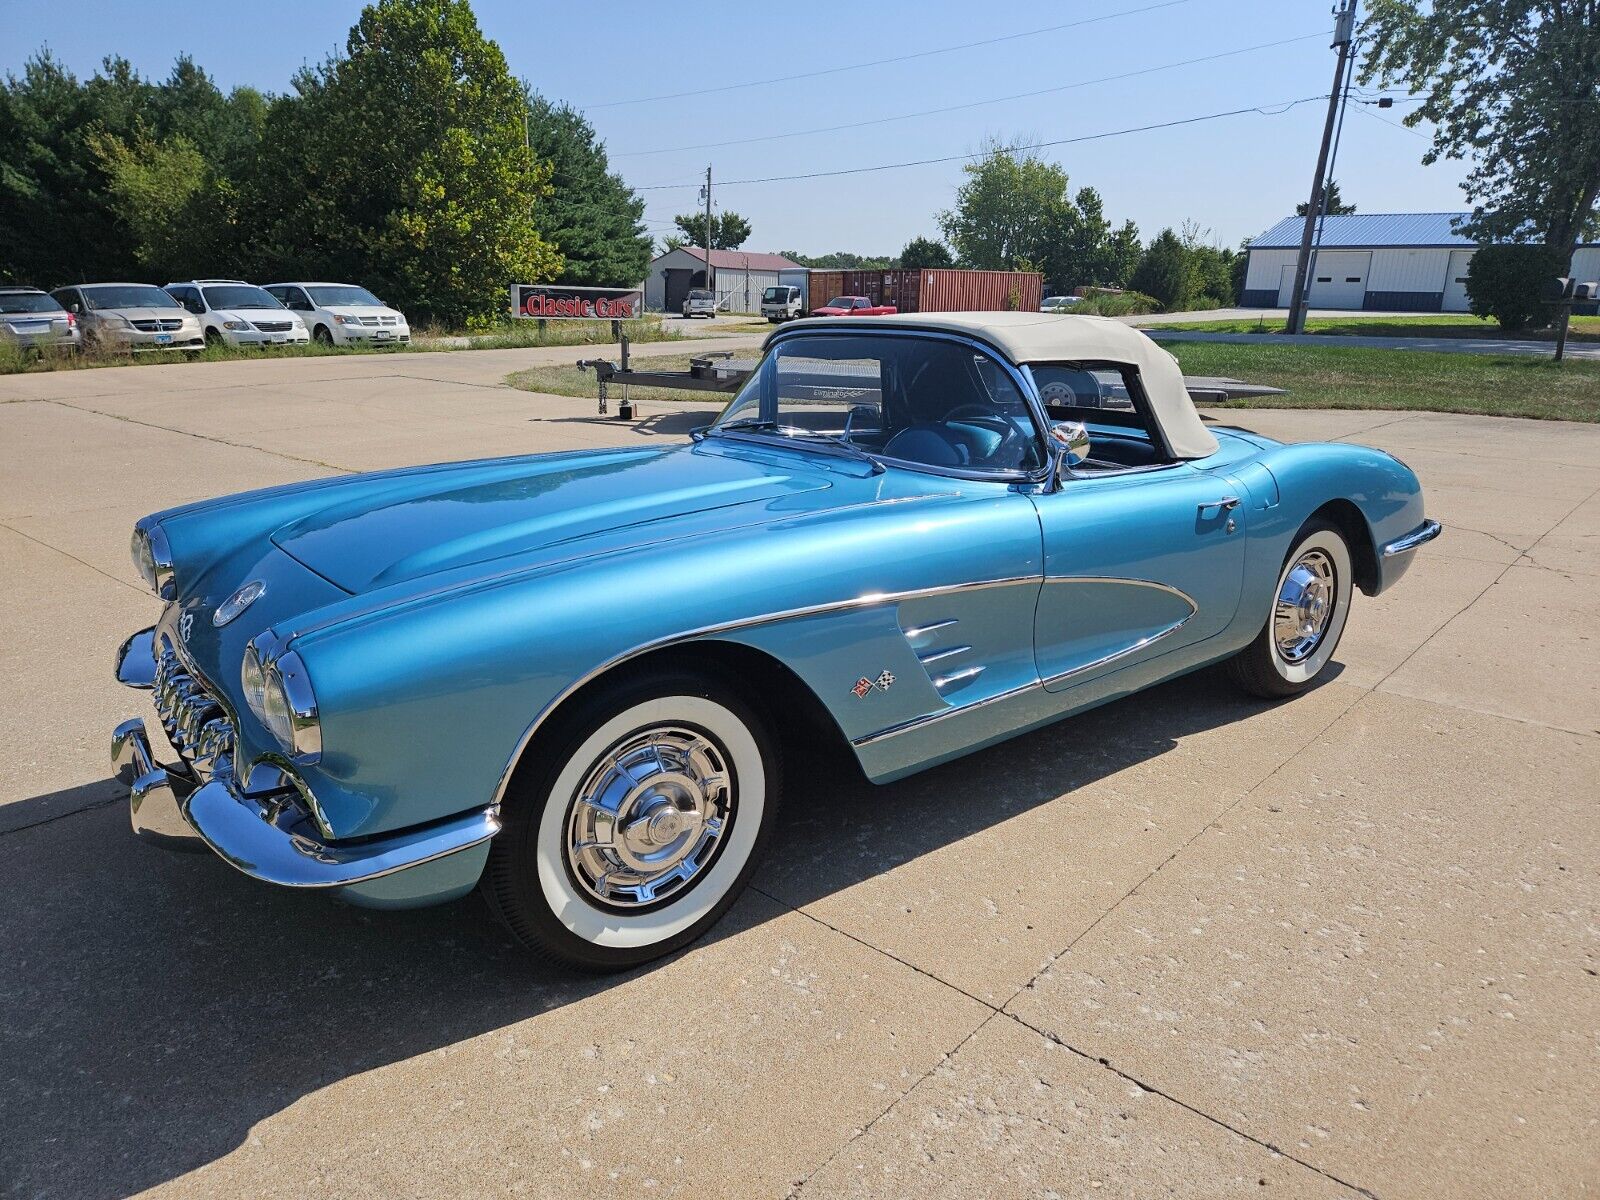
711 279
1343 35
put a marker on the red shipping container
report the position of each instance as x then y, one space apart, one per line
932 291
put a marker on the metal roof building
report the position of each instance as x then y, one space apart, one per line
1395 262
741 276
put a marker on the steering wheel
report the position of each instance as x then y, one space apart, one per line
983 415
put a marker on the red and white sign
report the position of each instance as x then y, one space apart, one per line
557 302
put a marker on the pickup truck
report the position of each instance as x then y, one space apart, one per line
854 306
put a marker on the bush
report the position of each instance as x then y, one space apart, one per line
1507 282
1116 304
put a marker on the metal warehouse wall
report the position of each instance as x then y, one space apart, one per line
1266 268
739 290
1395 269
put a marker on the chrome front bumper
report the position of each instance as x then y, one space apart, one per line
1419 536
200 803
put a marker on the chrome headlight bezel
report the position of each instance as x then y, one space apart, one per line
152 558
278 691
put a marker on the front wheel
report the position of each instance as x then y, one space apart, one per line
635 824
322 335
1309 609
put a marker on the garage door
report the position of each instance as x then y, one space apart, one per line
1455 282
1339 278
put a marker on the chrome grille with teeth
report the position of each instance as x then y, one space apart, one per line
163 325
195 723
273 326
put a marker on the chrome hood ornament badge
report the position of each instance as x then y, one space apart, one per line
238 602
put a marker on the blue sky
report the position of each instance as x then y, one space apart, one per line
1234 176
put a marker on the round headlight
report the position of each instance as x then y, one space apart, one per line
253 679
275 714
143 561
153 558
289 709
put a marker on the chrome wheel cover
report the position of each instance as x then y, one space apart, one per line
1306 601
649 817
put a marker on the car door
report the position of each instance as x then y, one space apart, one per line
1141 557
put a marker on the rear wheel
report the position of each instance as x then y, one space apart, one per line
636 823
1310 606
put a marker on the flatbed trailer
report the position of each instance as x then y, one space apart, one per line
723 374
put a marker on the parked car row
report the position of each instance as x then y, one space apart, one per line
197 313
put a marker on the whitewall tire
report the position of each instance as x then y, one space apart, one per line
637 823
1310 605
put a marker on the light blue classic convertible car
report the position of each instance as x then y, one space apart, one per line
568 678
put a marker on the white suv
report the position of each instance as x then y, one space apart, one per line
236 313
342 314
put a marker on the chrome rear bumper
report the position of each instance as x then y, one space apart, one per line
265 834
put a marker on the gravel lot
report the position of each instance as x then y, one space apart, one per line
1189 942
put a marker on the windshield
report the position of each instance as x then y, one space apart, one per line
774 295
923 401
345 294
841 302
239 295
27 302
133 295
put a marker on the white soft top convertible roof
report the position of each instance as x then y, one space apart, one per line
1048 337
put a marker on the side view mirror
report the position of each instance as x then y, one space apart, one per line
1069 448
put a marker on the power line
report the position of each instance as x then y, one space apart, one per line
879 62
1267 110
928 112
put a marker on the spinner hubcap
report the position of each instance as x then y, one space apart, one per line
649 816
1306 601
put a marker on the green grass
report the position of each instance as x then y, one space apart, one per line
1519 385
524 334
1452 325
569 381
1315 376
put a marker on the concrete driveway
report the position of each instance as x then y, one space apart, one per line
1190 943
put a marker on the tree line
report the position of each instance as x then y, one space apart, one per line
413 162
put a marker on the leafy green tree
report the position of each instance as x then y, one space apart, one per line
841 260
925 254
58 224
407 167
593 218
729 230
1010 206
90 170
1513 87
1166 271
1123 252
1334 206
168 198
1507 282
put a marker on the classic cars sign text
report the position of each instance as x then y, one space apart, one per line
558 302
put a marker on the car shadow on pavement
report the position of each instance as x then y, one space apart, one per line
154 1007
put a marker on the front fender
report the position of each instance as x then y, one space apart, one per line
426 707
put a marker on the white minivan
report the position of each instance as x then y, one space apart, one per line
342 314
782 303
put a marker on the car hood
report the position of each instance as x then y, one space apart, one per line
362 310
253 315
388 529
144 314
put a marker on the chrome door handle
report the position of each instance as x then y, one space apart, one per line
1226 504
